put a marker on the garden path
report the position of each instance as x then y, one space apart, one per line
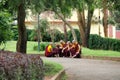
89 69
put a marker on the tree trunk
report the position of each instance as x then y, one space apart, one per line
105 16
65 32
39 34
22 36
72 30
88 27
81 25
84 27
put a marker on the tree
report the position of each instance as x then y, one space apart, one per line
62 9
115 12
20 6
65 32
83 24
111 5
105 18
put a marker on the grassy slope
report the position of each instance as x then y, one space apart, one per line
11 45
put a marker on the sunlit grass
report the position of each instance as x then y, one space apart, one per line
91 52
11 46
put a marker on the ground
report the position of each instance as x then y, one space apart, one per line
89 69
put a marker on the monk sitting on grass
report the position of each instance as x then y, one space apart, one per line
61 46
76 49
49 51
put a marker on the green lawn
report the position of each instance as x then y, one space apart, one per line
107 53
11 46
51 68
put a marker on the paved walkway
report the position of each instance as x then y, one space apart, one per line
88 69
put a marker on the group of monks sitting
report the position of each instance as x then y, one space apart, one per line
63 49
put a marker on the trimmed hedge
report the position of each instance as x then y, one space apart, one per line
97 42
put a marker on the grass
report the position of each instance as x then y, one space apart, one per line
51 68
11 46
106 53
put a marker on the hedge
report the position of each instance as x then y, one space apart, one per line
97 42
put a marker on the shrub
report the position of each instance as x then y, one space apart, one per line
30 34
56 33
97 42
58 36
70 37
46 37
5 30
15 33
42 46
17 66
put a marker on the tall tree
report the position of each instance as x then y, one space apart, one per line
20 6
105 18
84 24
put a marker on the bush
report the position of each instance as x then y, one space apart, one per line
70 37
20 66
46 37
97 42
5 30
58 36
15 33
56 33
30 34
42 46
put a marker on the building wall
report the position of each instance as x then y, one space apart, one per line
118 34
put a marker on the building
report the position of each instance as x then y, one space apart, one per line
96 27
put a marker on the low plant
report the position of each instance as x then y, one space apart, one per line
42 46
17 66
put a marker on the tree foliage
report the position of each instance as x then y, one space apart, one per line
5 32
20 6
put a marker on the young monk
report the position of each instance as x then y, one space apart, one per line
48 51
61 46
75 49
66 49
